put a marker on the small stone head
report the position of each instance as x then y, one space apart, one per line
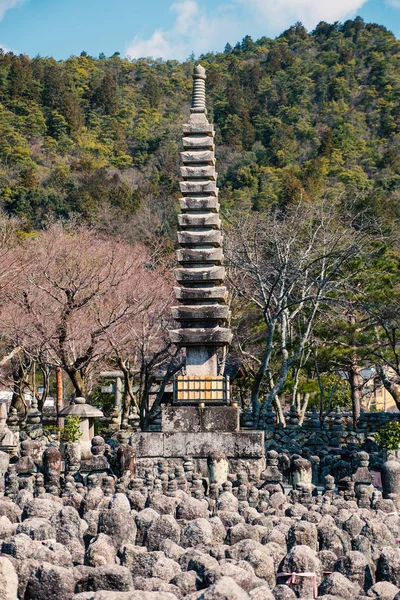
98 446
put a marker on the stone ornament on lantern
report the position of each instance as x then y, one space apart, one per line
87 415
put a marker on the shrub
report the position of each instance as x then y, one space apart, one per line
71 431
389 436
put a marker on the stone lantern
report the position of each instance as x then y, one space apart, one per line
87 415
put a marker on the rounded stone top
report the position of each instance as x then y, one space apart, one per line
272 455
80 400
363 455
199 71
98 441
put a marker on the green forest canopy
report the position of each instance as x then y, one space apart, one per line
304 115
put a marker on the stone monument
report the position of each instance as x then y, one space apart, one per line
201 419
87 415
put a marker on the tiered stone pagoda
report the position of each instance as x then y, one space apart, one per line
202 313
202 419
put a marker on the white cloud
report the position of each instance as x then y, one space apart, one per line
193 30
5 5
284 13
394 3
197 30
4 48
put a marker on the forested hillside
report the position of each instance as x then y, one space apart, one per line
307 114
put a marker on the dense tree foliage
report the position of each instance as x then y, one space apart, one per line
308 119
306 114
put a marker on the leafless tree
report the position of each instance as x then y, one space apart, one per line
75 288
142 349
291 266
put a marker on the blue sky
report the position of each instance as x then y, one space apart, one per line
164 28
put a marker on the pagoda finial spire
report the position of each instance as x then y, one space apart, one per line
199 90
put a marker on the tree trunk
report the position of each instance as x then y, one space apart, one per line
302 406
78 382
20 372
354 378
279 412
46 371
255 390
59 396
172 369
389 385
280 417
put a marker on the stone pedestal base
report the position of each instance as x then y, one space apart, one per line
193 419
244 449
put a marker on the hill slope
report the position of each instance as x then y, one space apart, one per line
311 114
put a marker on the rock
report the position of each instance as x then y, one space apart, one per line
388 566
171 549
92 522
229 518
136 500
218 530
378 534
331 537
240 532
10 510
357 568
224 589
149 564
189 509
244 578
164 527
119 526
383 590
143 520
154 584
206 567
353 525
264 593
25 569
188 582
301 559
106 577
8 580
338 586
283 592
328 560
303 534
258 556
37 529
137 595
227 502
69 532
197 533
50 583
6 527
101 551
120 502
163 504
42 508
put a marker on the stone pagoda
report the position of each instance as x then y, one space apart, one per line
202 419
202 312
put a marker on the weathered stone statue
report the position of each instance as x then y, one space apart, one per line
87 415
51 467
8 439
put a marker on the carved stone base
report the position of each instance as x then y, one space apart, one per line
244 449
193 419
